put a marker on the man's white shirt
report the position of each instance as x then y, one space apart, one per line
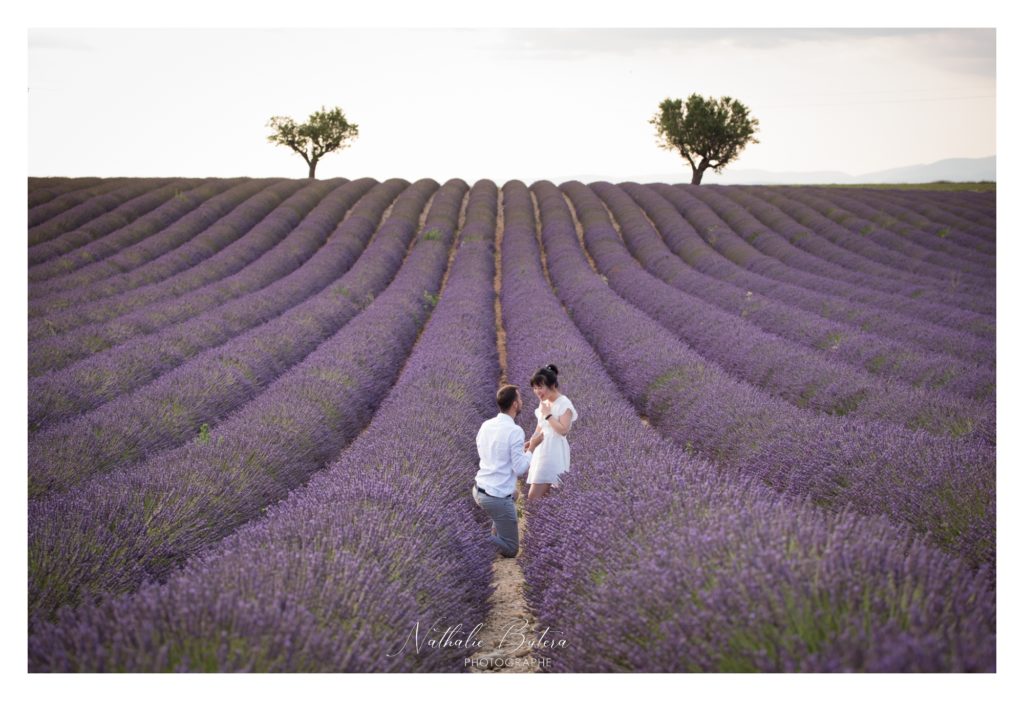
500 445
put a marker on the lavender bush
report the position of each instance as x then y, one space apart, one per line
939 486
333 578
273 465
975 209
166 412
842 242
823 296
796 374
947 231
63 214
651 559
249 231
122 226
62 394
171 506
700 271
910 247
43 190
177 301
882 293
131 245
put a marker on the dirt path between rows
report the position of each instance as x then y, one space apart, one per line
510 627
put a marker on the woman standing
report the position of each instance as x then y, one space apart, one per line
548 443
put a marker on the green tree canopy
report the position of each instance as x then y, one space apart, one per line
707 132
325 131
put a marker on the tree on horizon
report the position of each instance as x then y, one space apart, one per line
326 131
707 132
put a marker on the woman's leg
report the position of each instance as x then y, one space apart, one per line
537 491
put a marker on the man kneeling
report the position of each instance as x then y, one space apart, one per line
502 461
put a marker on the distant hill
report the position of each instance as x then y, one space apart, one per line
951 169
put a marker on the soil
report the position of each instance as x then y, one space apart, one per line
510 618
509 627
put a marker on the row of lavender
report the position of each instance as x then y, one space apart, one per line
141 234
735 260
46 189
178 386
947 240
945 650
652 559
843 244
60 350
973 213
62 254
49 220
141 520
899 212
91 383
957 223
271 248
337 576
106 265
217 252
813 239
90 377
802 376
738 234
669 248
277 308
939 486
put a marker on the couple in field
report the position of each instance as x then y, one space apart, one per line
505 454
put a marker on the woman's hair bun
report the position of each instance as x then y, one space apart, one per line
546 376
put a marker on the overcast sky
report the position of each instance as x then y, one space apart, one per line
499 103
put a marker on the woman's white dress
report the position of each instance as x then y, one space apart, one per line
551 458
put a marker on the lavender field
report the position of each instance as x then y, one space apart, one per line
252 406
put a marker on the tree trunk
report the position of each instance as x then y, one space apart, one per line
312 170
698 173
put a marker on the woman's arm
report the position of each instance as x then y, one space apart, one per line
562 423
536 438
